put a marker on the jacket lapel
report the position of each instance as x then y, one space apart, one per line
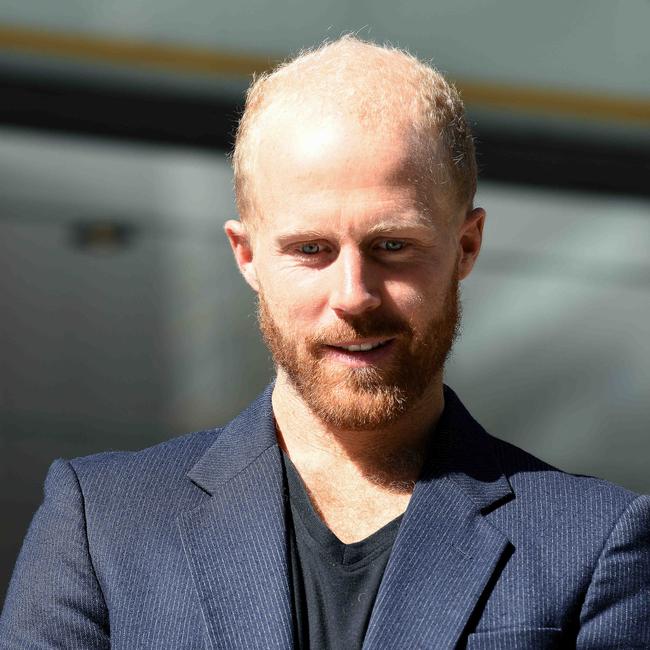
444 557
235 542
446 552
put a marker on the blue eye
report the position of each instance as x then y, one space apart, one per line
393 245
309 249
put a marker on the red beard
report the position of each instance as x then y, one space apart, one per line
365 398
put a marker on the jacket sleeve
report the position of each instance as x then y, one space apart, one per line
54 598
616 610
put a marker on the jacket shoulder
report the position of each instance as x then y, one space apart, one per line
148 470
519 465
549 497
187 445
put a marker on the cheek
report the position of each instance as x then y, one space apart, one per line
293 293
422 296
292 304
421 287
405 296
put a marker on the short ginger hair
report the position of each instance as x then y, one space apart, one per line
375 83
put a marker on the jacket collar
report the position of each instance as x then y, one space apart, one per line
235 541
463 451
446 552
443 558
238 445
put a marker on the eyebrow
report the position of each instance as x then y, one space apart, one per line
404 223
383 226
287 237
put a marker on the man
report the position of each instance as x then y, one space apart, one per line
356 502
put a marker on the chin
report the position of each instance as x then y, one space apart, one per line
347 406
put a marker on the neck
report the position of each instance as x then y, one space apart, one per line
390 457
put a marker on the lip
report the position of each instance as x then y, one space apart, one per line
373 341
360 359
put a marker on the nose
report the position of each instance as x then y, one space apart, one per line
352 292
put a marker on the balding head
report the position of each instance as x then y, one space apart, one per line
381 89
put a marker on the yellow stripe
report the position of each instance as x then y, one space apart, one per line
175 58
204 61
555 102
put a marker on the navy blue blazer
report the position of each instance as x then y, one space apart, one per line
183 546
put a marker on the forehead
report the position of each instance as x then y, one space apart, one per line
311 137
335 164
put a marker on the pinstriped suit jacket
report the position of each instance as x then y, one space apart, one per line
182 546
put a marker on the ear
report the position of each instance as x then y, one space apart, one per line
242 248
469 241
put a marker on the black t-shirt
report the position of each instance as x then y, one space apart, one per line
334 584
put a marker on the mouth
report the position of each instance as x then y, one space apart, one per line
360 353
361 347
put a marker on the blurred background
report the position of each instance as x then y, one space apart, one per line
123 321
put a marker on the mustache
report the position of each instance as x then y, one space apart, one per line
358 327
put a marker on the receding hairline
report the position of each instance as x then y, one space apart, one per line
373 83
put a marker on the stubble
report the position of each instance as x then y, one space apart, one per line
370 397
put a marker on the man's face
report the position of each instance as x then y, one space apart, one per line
356 268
